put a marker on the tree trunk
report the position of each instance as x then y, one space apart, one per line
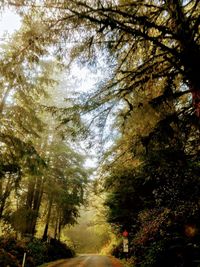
45 234
36 203
189 53
56 229
34 197
1 194
4 195
59 229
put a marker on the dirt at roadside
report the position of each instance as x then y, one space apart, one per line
115 262
55 263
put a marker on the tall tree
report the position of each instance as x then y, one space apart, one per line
152 49
147 42
25 134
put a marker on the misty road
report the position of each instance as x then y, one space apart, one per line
88 261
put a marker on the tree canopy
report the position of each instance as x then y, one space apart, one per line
148 98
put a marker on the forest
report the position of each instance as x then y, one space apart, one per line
118 80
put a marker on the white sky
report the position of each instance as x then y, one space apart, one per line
9 22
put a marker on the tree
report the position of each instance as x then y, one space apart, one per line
19 107
148 42
97 235
65 188
153 185
152 49
26 136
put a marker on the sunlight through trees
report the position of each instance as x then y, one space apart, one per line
138 112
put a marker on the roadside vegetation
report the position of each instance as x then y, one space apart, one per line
37 251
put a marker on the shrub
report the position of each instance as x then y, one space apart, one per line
37 252
7 259
12 247
8 243
58 250
130 262
117 251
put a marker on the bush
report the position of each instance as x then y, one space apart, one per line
37 252
13 248
130 262
58 250
8 243
7 259
117 251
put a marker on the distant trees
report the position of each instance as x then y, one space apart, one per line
97 236
35 158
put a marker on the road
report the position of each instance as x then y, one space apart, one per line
88 261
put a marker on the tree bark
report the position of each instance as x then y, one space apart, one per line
45 234
34 197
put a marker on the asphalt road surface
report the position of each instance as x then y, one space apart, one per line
88 261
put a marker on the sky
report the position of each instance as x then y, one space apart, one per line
9 22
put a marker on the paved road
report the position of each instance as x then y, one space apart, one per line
88 261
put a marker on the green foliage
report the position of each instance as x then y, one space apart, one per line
117 250
153 191
157 225
96 236
152 174
174 251
129 193
37 251
32 139
130 262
